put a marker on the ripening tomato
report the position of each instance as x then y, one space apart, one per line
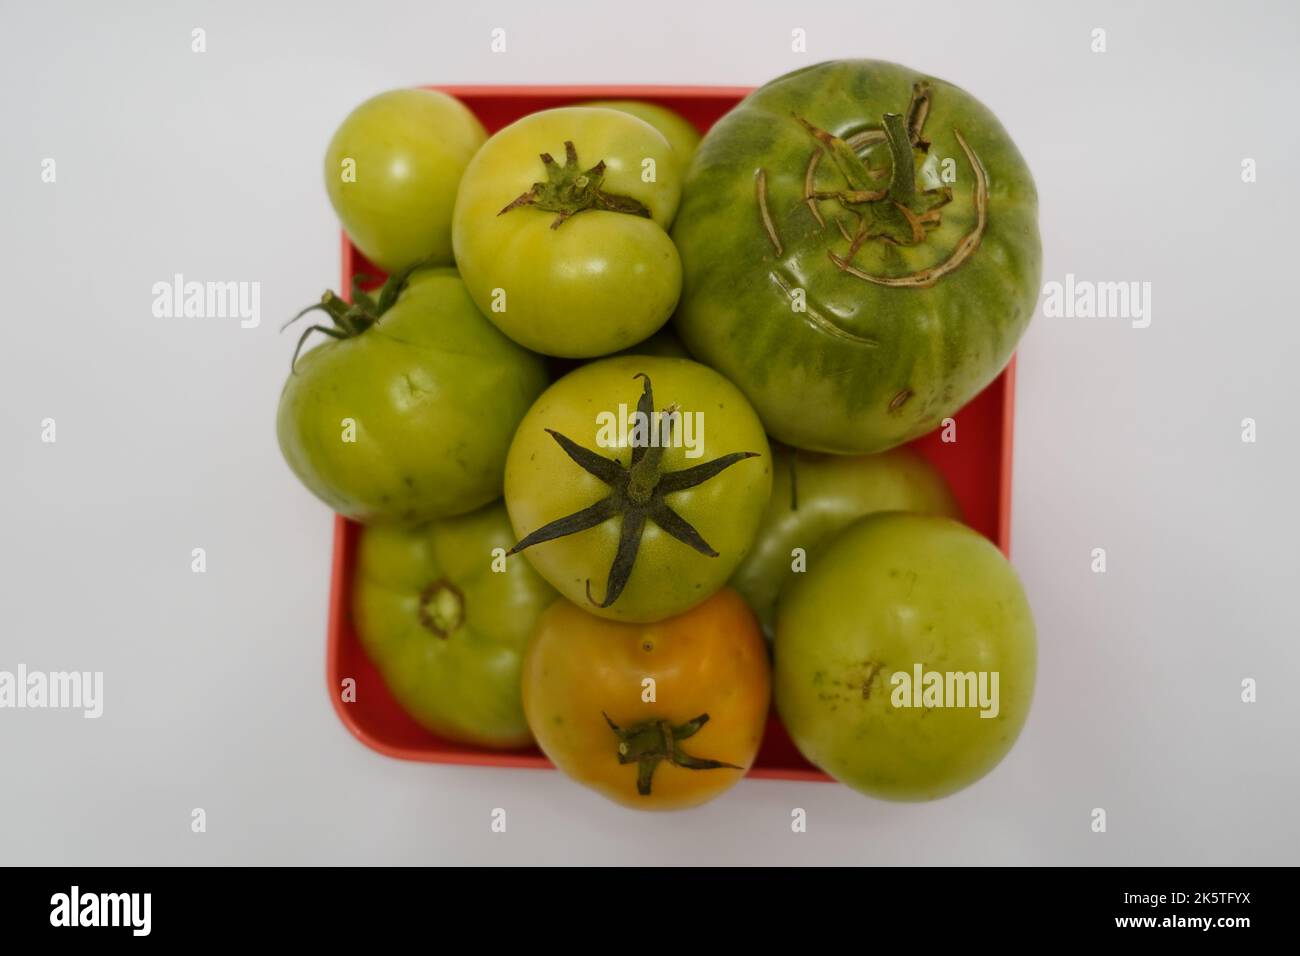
560 231
653 716
392 169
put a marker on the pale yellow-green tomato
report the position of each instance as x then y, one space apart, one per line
680 132
392 169
446 621
572 455
571 257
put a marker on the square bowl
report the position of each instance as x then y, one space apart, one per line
977 466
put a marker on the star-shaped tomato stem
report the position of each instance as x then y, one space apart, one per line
637 494
352 318
650 743
569 190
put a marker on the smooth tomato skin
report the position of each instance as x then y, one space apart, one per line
434 392
680 132
599 282
881 365
710 659
891 591
464 685
543 484
410 148
832 491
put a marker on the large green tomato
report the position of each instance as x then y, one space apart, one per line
446 622
630 513
905 657
814 496
391 171
680 132
561 231
860 253
408 414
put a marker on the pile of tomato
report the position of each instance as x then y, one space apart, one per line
624 422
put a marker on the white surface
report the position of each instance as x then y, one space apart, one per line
1127 439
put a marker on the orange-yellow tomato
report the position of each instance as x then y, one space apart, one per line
656 716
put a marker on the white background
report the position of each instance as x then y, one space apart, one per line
1128 439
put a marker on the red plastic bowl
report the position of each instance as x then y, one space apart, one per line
977 465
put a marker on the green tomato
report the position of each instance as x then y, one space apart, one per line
410 418
893 601
680 132
391 171
625 524
814 496
446 622
569 253
862 240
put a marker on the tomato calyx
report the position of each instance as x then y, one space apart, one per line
351 318
568 190
441 609
637 495
895 212
651 742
